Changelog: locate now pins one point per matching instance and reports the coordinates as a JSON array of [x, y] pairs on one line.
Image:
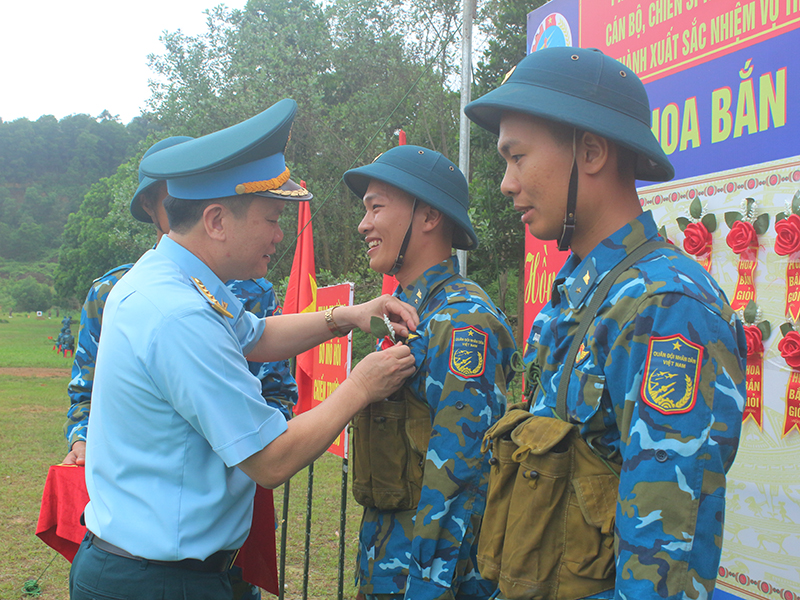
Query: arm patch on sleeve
[[468, 352], [671, 374]]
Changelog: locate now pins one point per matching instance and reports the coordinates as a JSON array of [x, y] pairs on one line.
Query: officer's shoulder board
[[671, 374], [468, 351], [220, 307]]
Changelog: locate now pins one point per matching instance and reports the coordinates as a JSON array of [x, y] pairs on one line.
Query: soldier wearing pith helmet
[[422, 482], [637, 373], [180, 432]]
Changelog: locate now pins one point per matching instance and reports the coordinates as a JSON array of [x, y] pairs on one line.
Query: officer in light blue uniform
[[180, 431], [278, 386]]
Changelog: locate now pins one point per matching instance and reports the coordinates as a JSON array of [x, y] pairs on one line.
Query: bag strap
[[597, 299]]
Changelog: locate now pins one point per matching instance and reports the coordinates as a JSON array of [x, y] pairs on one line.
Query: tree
[[30, 295]]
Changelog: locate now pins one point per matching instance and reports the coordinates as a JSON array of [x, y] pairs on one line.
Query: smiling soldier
[[419, 471]]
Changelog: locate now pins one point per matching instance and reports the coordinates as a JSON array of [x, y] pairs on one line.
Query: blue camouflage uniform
[[278, 386], [80, 387], [430, 552], [658, 387]]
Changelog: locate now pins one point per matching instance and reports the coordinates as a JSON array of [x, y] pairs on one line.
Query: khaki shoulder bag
[[548, 530]]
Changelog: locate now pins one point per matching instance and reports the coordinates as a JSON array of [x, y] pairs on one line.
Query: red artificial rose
[[697, 240], [788, 240], [790, 349], [386, 343], [755, 344], [742, 236]]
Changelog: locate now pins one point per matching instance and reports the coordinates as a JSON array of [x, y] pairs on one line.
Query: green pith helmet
[[428, 176], [585, 89], [145, 182]]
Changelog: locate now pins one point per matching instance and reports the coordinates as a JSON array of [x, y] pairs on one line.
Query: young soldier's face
[[537, 173], [388, 214]]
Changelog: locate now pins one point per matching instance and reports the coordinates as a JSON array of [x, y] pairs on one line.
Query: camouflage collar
[[416, 293], [576, 281]]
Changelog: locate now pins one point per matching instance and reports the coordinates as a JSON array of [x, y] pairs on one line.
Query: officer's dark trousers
[[98, 575]]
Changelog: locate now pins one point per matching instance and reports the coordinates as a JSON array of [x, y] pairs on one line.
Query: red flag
[[301, 296]]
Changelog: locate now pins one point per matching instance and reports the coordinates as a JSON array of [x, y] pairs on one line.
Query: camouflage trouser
[[241, 589], [607, 595], [384, 596]]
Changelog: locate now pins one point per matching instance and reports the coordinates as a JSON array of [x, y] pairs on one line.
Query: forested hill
[[46, 168]]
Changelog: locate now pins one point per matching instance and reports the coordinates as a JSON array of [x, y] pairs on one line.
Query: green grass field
[[33, 404]]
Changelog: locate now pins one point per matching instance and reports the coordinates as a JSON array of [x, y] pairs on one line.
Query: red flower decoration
[[386, 343], [755, 340], [742, 236], [697, 240], [790, 349], [788, 240]]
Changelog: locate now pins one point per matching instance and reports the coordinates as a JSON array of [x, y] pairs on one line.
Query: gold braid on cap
[[263, 186]]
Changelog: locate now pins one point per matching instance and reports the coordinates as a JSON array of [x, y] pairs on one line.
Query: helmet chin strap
[[572, 199], [398, 262]]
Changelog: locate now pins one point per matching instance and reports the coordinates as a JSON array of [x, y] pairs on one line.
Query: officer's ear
[[214, 222]]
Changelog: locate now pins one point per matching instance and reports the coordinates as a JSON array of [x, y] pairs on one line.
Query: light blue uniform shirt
[[174, 410]]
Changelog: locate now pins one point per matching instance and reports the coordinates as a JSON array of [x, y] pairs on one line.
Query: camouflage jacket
[[658, 387], [278, 386], [430, 552]]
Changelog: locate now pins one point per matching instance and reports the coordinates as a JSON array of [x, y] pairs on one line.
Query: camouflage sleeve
[[679, 420], [278, 386], [80, 386], [467, 360]]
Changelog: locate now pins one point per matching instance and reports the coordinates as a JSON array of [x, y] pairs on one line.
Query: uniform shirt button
[[459, 405], [661, 455]]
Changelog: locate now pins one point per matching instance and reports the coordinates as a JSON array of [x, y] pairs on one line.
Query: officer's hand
[[76, 456], [381, 373], [403, 316]]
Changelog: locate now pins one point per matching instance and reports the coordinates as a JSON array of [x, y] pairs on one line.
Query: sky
[[61, 58]]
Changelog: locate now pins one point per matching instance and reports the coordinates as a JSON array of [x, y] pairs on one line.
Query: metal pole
[[466, 81], [342, 527], [307, 554], [284, 531]]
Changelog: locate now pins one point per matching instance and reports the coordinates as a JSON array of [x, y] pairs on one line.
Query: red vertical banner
[[745, 284], [793, 286], [543, 261], [301, 296], [792, 417], [331, 360], [754, 408]]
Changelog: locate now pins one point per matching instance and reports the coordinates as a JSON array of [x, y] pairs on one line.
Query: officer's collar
[[195, 268]]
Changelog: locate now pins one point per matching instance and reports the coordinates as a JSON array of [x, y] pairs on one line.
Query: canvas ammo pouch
[[390, 439], [548, 531]]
